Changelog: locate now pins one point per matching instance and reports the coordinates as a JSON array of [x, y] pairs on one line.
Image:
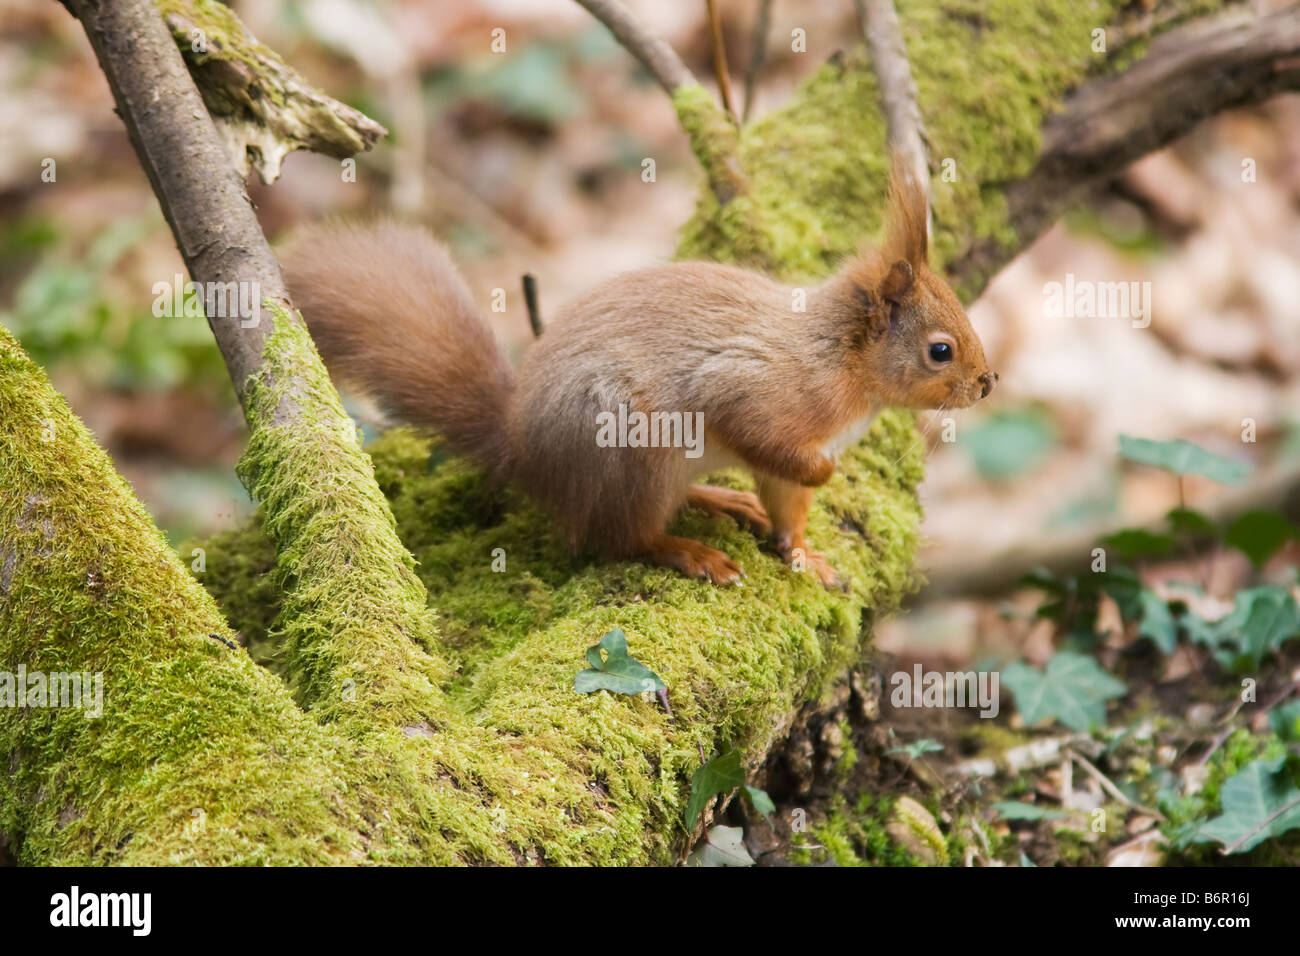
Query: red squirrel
[[781, 392]]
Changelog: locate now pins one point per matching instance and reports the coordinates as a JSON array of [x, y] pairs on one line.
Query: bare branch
[[188, 166], [655, 55], [757, 54]]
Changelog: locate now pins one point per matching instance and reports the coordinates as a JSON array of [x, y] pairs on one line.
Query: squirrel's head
[[919, 345]]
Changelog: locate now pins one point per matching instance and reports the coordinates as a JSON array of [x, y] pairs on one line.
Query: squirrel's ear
[[899, 280], [875, 308]]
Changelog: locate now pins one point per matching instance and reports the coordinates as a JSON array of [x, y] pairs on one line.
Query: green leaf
[[1125, 589], [1135, 543], [1043, 579], [1261, 621], [1158, 622], [1190, 522], [1285, 720], [1010, 442], [1183, 458], [1258, 803], [1015, 810], [1073, 689], [759, 800], [723, 846], [616, 671], [916, 748], [1259, 535], [722, 774]]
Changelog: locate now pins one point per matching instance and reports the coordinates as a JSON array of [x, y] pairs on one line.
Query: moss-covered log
[[470, 745]]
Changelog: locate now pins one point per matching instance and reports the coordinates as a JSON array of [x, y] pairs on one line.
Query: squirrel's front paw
[[796, 554]]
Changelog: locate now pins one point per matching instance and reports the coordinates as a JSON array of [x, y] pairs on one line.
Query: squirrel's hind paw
[[694, 560]]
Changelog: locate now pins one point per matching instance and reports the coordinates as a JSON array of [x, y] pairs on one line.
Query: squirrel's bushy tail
[[390, 312]]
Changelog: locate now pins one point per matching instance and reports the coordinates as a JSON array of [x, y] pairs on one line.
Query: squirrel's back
[[390, 312]]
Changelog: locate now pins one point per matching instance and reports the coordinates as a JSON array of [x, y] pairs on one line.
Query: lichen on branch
[[263, 108]]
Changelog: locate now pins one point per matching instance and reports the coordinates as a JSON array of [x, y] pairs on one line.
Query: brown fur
[[775, 386]]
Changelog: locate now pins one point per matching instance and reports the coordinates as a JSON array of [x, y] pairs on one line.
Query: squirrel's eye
[[941, 352]]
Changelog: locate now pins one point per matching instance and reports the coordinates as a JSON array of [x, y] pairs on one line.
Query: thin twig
[[655, 54], [720, 57], [757, 54], [1109, 787], [530, 300], [1220, 737]]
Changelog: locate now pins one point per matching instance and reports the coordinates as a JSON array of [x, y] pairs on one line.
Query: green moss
[[713, 137], [797, 226], [194, 737], [357, 637], [737, 661], [856, 835]]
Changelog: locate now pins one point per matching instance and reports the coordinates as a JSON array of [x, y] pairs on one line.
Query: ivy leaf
[[1259, 535], [1285, 720], [1190, 522], [759, 800], [1125, 589], [1183, 457], [916, 748], [1015, 810], [1158, 622], [1136, 542], [1073, 689], [1261, 621], [723, 846], [722, 774], [1258, 803], [617, 671], [1008, 443], [1043, 579]]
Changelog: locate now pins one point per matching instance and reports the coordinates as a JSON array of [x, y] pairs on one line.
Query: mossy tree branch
[[1194, 70], [287, 399], [263, 108]]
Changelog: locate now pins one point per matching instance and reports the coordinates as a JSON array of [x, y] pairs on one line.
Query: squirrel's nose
[[987, 380]]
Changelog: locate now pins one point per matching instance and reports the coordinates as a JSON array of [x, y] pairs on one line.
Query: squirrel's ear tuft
[[906, 216]]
